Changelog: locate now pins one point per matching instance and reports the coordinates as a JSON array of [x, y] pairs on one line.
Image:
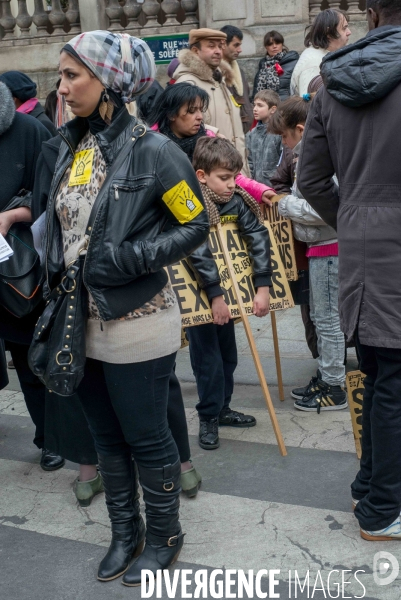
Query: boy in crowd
[[212, 346], [264, 148]]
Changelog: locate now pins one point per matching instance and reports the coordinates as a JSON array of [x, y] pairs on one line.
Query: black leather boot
[[164, 539], [120, 483]]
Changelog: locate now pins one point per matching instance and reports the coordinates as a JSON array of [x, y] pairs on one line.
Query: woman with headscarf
[[151, 214]]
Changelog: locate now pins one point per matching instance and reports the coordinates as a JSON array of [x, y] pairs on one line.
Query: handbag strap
[[137, 132]]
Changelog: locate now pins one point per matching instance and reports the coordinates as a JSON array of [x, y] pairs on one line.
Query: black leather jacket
[[135, 234], [257, 240]]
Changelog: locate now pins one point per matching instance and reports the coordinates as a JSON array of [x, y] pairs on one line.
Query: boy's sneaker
[[209, 433], [233, 418], [328, 397], [392, 532], [308, 390]]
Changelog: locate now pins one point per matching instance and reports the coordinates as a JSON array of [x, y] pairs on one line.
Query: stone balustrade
[[356, 9], [56, 20]]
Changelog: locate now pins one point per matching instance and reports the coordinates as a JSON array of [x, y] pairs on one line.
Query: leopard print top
[[73, 207]]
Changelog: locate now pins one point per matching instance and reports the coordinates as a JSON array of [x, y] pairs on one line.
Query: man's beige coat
[[223, 113]]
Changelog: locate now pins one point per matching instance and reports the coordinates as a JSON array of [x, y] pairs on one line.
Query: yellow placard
[[355, 389], [282, 230], [194, 305], [182, 202], [81, 169]]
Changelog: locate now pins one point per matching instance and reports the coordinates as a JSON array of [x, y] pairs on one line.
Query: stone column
[[93, 14]]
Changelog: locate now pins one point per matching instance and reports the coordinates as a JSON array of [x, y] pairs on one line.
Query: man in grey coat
[[353, 130]]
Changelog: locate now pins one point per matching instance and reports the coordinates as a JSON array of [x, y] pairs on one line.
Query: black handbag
[[21, 276], [57, 354]]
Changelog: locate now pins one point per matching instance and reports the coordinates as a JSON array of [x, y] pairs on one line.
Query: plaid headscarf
[[211, 199], [123, 63]]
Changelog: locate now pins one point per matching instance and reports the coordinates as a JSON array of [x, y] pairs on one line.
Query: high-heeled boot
[[164, 538], [120, 483]]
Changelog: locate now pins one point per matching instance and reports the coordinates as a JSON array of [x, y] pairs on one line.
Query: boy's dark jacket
[[256, 237], [134, 234]]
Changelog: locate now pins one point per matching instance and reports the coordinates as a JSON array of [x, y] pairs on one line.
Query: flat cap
[[196, 35]]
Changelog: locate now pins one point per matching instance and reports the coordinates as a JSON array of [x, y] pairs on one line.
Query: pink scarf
[[28, 106]]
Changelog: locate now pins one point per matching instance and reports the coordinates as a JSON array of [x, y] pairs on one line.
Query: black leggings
[[126, 408]]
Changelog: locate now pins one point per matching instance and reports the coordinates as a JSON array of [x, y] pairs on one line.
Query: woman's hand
[[220, 311], [16, 215], [261, 302]]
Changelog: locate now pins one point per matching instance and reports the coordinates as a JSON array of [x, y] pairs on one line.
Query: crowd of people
[[119, 197]]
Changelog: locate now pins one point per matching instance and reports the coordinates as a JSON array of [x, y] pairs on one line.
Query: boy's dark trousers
[[213, 353]]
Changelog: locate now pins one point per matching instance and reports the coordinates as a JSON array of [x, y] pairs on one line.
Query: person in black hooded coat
[[21, 138], [353, 130]]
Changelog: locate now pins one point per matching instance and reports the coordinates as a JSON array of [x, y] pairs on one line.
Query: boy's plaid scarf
[[211, 199]]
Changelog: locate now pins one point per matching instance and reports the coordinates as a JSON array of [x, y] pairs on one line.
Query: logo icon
[[385, 568]]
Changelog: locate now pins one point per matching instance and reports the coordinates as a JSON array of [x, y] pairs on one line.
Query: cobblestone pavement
[[256, 510]]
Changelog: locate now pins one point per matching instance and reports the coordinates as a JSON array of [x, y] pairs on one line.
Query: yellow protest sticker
[[81, 169], [233, 100], [182, 202], [228, 219]]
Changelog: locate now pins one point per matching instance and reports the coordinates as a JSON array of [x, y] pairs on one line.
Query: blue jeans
[[323, 275]]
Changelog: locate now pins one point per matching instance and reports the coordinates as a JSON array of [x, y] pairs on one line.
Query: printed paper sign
[[282, 230], [355, 390], [194, 305]]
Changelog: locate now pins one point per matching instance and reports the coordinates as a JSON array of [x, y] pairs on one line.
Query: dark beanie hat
[[20, 85]]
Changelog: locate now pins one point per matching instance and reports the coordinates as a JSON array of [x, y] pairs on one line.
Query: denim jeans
[[323, 274], [378, 483], [213, 353], [126, 409]]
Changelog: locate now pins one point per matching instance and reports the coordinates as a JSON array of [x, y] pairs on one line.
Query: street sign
[[166, 47]]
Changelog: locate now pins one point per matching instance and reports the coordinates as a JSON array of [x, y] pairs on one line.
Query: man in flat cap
[[202, 65]]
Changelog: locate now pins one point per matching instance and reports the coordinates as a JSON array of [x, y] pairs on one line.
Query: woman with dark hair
[[328, 32], [133, 328], [275, 69], [179, 115]]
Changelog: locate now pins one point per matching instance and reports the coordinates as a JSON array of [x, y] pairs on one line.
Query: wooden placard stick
[[252, 345], [277, 357]]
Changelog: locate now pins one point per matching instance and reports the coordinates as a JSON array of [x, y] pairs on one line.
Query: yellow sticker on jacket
[[228, 218], [182, 202], [81, 169], [235, 102]]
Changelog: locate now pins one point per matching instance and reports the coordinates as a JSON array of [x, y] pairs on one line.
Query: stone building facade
[[32, 32]]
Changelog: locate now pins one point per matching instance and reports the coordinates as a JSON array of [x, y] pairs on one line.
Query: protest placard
[[355, 389], [194, 305], [282, 230]]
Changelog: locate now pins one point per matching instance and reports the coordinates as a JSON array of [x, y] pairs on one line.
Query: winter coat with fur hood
[[21, 138], [223, 112]]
